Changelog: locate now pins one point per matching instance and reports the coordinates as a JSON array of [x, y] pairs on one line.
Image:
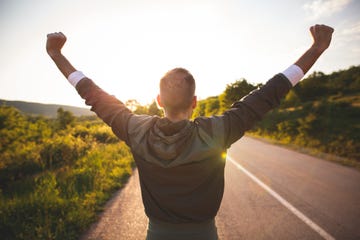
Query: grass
[[309, 151]]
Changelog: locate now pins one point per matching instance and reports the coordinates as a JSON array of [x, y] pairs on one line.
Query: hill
[[321, 113], [47, 110]]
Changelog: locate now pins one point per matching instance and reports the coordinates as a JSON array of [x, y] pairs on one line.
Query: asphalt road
[[270, 193]]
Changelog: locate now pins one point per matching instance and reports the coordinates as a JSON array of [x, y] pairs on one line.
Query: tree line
[[322, 112]]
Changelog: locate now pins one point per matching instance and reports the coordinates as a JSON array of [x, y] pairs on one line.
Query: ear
[[194, 102], [158, 100]]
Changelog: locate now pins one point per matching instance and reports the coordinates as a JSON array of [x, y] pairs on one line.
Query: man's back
[[181, 164], [181, 169]]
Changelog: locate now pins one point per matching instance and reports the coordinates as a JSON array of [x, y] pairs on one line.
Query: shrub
[[62, 150]]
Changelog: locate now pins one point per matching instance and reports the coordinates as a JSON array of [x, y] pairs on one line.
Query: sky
[[126, 46]]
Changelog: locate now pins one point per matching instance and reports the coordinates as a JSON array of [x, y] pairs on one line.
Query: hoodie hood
[[168, 139], [168, 144]]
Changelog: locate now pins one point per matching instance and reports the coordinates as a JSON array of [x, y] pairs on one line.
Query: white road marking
[[290, 207]]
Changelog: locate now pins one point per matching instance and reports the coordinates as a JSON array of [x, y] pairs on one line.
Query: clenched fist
[[55, 41], [322, 36]]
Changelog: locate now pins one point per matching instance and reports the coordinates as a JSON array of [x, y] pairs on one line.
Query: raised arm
[[54, 44], [245, 113], [112, 111], [322, 37]]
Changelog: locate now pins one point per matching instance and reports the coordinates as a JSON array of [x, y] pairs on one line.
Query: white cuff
[[75, 77], [294, 73]]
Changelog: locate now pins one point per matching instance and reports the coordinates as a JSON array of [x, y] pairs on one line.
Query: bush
[[330, 127], [62, 150]]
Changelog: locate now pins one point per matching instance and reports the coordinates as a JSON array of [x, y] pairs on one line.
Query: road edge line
[[285, 203]]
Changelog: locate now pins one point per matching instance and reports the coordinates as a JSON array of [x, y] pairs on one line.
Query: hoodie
[[181, 164]]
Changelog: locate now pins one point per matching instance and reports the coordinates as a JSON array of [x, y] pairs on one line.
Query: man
[[180, 162]]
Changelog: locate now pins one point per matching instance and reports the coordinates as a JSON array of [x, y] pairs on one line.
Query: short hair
[[177, 90]]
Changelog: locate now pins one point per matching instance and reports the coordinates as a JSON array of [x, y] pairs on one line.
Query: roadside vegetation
[[320, 115], [55, 174]]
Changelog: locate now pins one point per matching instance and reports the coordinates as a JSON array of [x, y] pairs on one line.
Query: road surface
[[270, 193]]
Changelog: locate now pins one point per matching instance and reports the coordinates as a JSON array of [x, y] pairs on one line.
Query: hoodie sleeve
[[111, 110], [243, 114]]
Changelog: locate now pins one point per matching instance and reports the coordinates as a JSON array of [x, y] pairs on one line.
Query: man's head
[[177, 92]]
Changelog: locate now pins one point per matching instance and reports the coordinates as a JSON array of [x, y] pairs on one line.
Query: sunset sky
[[126, 46]]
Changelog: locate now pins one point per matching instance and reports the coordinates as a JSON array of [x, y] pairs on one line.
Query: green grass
[[62, 203], [306, 150]]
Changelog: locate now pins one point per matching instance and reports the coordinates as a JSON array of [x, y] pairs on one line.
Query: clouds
[[325, 8], [343, 16], [349, 36], [352, 30]]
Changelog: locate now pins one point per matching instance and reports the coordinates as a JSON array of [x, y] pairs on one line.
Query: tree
[[312, 87], [200, 109], [235, 92], [154, 110], [64, 119], [291, 100], [212, 106]]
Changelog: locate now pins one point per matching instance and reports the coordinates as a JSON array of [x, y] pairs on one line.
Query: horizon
[[84, 106], [126, 46]]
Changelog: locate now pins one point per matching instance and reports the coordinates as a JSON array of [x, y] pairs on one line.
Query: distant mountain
[[48, 110]]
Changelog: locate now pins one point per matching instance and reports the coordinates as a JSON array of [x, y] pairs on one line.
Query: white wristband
[[294, 73], [75, 77]]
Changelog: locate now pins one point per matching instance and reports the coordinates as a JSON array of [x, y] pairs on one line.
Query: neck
[[179, 116]]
